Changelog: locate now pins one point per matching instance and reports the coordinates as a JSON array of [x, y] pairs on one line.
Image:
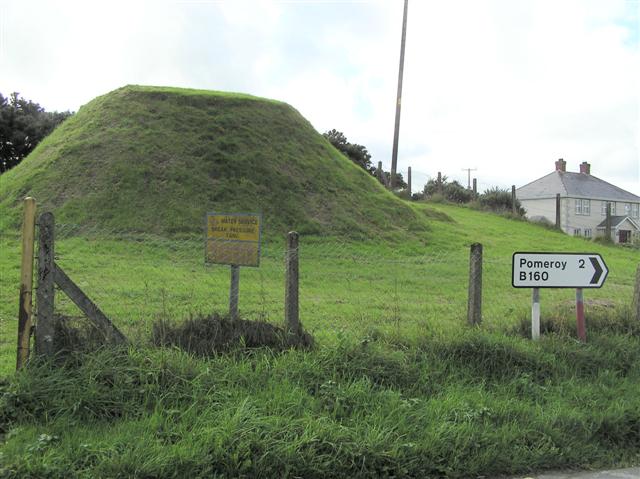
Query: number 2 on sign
[[581, 263]]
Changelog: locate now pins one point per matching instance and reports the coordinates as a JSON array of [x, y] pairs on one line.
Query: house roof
[[579, 185], [617, 221]]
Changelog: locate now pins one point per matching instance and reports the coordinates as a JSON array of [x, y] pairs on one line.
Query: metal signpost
[[233, 239], [558, 270]]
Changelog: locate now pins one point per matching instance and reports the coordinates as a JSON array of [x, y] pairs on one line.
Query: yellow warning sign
[[233, 239], [233, 227]]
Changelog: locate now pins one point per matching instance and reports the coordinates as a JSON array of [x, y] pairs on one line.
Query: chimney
[[585, 168], [561, 165]]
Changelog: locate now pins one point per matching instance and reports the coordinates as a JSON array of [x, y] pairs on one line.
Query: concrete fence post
[[475, 188], [636, 296], [558, 210], [409, 182], [45, 293], [607, 227], [514, 208], [291, 306], [474, 304]]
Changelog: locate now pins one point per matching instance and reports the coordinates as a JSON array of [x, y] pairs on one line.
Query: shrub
[[499, 200]]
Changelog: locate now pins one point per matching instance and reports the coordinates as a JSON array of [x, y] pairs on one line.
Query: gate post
[[45, 292]]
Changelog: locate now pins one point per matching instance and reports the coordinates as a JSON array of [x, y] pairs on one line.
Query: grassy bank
[[468, 405], [398, 385]]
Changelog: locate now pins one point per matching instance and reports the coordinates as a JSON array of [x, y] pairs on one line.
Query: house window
[[604, 208], [587, 232], [627, 209], [583, 207], [635, 210], [577, 232]]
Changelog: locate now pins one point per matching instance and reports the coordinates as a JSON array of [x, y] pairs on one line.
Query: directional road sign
[[558, 270]]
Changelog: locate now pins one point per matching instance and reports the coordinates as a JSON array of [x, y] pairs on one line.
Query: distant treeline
[[493, 199], [23, 124]]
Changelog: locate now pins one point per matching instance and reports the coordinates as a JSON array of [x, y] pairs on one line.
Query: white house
[[583, 203]]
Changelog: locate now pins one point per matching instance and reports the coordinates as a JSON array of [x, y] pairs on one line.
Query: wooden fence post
[[636, 296], [474, 304], [558, 210], [26, 282], [234, 291], [45, 292], [291, 306]]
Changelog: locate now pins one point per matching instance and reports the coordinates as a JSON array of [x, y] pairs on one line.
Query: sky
[[505, 87]]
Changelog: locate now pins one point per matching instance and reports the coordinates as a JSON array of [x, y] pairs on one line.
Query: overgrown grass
[[470, 404]]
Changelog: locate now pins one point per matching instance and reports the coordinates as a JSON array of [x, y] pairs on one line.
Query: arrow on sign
[[598, 268]]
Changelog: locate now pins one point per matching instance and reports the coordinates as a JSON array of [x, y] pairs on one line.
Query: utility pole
[[469, 170], [396, 133]]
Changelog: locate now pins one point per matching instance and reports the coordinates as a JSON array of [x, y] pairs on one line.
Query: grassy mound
[[157, 159]]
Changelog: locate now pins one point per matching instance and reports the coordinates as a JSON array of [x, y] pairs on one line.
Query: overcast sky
[[504, 86]]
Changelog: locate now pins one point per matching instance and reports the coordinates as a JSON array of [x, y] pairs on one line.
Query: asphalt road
[[631, 473]]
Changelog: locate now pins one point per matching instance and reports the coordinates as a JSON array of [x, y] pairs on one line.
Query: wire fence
[[345, 288]]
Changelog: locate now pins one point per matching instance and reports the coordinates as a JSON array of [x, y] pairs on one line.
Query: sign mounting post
[[233, 239], [558, 270]]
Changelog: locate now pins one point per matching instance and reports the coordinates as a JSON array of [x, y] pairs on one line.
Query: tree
[[361, 157], [400, 183], [356, 153], [23, 124], [434, 186]]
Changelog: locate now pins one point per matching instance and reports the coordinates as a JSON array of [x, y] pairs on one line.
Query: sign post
[[535, 314], [233, 239], [581, 326], [558, 270]]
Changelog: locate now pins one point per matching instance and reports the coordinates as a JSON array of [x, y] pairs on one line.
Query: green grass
[[398, 386], [155, 160]]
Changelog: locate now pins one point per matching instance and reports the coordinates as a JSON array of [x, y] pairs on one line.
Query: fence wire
[[346, 288]]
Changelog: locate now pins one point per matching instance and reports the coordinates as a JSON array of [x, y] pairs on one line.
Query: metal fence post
[[474, 305], [535, 314], [291, 306], [45, 292]]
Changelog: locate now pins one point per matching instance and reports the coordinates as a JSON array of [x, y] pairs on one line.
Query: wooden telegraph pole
[[396, 132]]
